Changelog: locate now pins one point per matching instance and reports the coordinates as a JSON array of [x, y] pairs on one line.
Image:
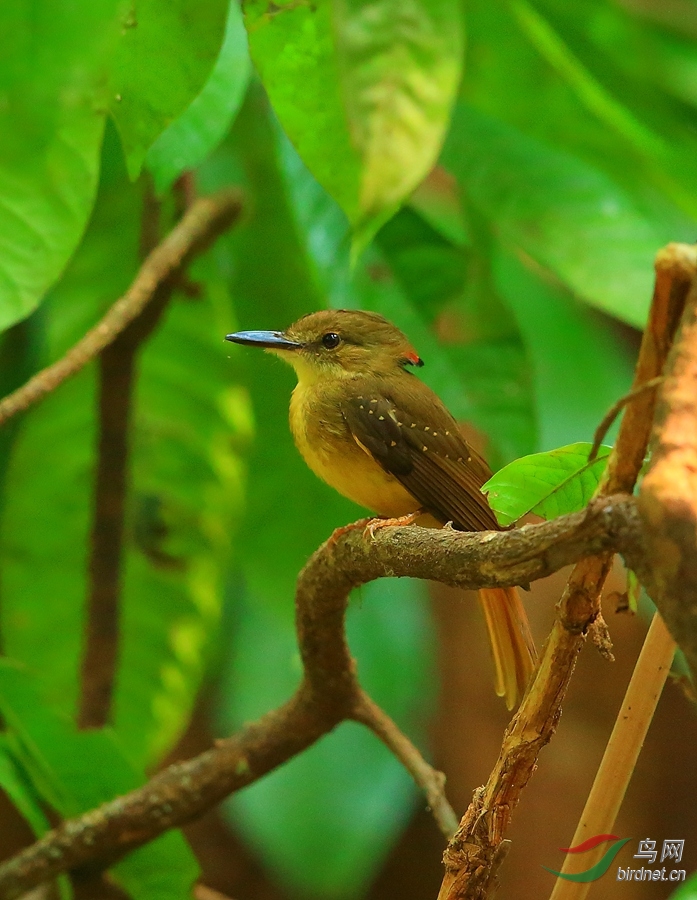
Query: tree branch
[[668, 497], [329, 691], [474, 853], [208, 218]]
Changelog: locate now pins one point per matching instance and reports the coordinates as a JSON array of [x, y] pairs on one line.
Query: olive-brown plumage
[[377, 434]]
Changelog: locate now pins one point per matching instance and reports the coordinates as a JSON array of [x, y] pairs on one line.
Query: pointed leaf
[[400, 64], [166, 53], [19, 789], [190, 138], [293, 48], [52, 73], [569, 217], [548, 484]]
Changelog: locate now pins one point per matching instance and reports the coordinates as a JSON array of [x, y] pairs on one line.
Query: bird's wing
[[432, 460]]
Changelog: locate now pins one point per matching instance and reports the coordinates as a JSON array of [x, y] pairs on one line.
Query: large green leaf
[[77, 771], [363, 90], [185, 490], [588, 52], [400, 64], [166, 53], [324, 821], [52, 73], [190, 138], [574, 352], [569, 217], [548, 484], [292, 46]]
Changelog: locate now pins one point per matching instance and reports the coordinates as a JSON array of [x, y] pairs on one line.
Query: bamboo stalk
[[621, 754]]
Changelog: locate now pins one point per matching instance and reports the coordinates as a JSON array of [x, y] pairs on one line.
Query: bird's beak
[[273, 340]]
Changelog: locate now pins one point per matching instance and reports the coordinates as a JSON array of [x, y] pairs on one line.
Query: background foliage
[[495, 179]]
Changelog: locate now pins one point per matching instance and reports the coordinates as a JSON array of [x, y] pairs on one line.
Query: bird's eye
[[331, 340]]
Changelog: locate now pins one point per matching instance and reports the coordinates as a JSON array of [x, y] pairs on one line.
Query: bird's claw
[[373, 525]]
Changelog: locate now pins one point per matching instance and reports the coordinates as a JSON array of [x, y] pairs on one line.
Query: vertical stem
[[621, 754], [117, 375]]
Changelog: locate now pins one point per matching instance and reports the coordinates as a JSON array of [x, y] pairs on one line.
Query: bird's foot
[[372, 525], [345, 529]]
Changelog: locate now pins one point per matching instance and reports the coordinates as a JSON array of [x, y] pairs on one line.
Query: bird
[[373, 431]]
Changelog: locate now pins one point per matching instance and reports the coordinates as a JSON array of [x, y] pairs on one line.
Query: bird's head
[[336, 343]]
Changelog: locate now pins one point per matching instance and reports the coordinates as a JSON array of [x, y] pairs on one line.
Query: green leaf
[[185, 491], [400, 63], [588, 52], [548, 484], [573, 350], [570, 218], [292, 47], [190, 138], [52, 72], [686, 891], [77, 771], [165, 55], [14, 782], [324, 821], [591, 92]]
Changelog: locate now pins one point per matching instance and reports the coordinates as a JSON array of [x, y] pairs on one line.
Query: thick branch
[[668, 498], [208, 218], [330, 691], [474, 853]]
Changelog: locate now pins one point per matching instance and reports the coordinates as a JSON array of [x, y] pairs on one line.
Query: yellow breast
[[329, 449]]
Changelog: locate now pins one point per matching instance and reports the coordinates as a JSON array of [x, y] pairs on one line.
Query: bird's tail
[[512, 645]]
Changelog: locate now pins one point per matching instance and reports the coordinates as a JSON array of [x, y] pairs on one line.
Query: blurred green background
[[496, 179]]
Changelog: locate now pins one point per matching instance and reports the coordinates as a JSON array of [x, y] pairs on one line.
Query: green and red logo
[[601, 867]]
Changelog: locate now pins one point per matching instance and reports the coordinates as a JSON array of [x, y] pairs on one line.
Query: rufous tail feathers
[[512, 645]]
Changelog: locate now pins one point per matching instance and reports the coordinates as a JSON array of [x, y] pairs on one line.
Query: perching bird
[[377, 434]]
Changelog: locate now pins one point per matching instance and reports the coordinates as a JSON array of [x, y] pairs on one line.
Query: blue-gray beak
[[275, 340]]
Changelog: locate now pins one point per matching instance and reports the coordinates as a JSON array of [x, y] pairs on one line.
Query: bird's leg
[[372, 525], [345, 529]]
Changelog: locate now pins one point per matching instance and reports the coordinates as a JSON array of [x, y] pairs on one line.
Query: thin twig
[[431, 782], [472, 855], [615, 410], [621, 754], [329, 690], [208, 218]]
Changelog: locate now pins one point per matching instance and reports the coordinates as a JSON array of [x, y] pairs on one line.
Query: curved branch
[[329, 692], [207, 218]]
